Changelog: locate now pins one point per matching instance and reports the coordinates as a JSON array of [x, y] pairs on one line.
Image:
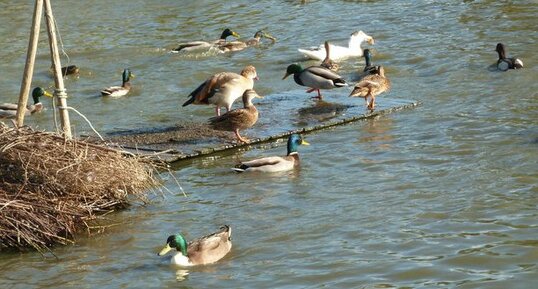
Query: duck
[[275, 163], [223, 88], [315, 77], [327, 62], [368, 67], [205, 250], [240, 45], [504, 63], [9, 110], [238, 119], [67, 70], [371, 86], [340, 52], [117, 91], [197, 45]]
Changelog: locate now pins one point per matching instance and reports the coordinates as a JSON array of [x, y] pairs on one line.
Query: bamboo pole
[[59, 92], [30, 61]]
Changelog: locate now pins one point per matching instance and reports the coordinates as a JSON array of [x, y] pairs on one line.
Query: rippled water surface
[[441, 196]]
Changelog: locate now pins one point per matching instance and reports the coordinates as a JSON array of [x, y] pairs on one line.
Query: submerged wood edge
[[164, 156]]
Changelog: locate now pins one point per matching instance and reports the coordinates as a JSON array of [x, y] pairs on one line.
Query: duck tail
[[194, 93], [191, 100], [518, 63], [240, 168], [340, 82]]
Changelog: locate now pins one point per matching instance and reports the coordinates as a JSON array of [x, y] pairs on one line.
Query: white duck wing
[[317, 53]]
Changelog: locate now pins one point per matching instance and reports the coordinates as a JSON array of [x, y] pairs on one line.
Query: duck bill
[[286, 75], [257, 78], [165, 250], [270, 37], [48, 94], [234, 34], [371, 41], [303, 142]]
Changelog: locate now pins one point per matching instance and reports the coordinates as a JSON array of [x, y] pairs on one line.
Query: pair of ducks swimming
[[213, 247], [222, 44]]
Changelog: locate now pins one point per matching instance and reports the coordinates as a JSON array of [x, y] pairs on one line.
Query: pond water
[[441, 196]]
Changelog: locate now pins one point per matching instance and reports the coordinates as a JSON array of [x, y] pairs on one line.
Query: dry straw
[[50, 188]]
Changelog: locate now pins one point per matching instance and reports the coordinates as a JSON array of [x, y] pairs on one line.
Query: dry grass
[[50, 188]]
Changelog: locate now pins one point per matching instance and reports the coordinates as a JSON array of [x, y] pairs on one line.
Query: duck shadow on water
[[321, 111]]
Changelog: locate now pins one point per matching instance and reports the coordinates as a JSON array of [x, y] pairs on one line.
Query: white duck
[[340, 52]]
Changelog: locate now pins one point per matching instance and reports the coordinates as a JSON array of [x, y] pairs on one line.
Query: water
[[442, 196]]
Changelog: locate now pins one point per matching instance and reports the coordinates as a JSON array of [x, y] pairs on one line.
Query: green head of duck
[[175, 242], [294, 141], [292, 69], [39, 92], [127, 75], [228, 32]]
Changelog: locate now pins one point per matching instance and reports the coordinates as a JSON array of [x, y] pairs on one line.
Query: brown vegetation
[[50, 187]]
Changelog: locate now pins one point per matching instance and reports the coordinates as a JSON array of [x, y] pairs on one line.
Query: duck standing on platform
[[276, 163], [371, 86], [240, 45], [504, 63], [198, 45], [9, 110], [238, 119], [117, 91], [205, 250], [315, 77], [223, 88], [340, 52]]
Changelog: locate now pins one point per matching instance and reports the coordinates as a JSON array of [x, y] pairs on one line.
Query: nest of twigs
[[50, 188]]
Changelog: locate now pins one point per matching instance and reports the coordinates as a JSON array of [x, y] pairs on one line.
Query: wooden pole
[[30, 60], [59, 92]]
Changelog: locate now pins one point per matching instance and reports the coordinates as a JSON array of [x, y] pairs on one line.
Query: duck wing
[[209, 87], [210, 248], [241, 118], [267, 164], [8, 106]]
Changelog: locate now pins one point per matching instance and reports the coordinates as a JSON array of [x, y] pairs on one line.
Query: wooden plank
[[280, 115]]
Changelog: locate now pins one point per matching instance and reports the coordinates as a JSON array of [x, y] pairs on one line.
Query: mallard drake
[[504, 63], [340, 52], [238, 119], [9, 110], [327, 62], [371, 86], [196, 45], [240, 45], [223, 88], [276, 163], [368, 67], [117, 91], [205, 250], [315, 77]]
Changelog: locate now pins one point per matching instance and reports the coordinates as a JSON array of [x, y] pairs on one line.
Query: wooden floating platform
[[280, 115]]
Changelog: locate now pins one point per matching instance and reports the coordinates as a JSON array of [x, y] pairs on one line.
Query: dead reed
[[50, 188]]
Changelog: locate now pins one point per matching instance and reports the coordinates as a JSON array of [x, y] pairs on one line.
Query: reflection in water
[[181, 274], [321, 111], [377, 131]]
